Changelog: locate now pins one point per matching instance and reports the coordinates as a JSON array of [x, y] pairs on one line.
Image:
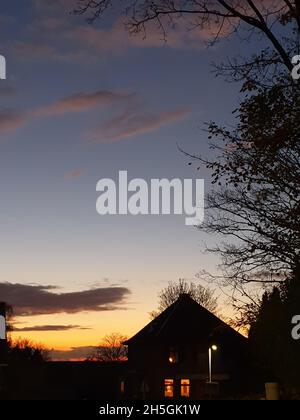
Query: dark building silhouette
[[169, 357]]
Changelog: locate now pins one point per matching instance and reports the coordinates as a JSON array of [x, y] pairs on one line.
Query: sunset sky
[[82, 102]]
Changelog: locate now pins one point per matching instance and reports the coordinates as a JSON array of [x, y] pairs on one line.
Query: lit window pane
[[185, 388], [169, 388]]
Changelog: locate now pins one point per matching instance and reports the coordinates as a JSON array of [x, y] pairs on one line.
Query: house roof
[[184, 320]]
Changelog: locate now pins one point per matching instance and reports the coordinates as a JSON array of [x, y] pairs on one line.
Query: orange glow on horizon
[[87, 329]]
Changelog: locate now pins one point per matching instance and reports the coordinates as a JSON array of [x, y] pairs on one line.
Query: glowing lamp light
[[214, 348]]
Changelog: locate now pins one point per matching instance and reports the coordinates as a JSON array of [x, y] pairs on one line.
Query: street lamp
[[214, 348]]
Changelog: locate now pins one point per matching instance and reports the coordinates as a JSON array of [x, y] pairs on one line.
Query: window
[[122, 387], [169, 388], [173, 355], [185, 388]]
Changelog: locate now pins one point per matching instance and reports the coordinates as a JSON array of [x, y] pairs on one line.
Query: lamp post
[[214, 348]]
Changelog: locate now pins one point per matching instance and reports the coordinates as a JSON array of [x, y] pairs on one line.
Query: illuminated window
[[169, 388], [122, 387], [173, 355], [185, 388]]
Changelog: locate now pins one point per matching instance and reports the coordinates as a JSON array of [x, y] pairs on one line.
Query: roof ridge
[[158, 327], [174, 304]]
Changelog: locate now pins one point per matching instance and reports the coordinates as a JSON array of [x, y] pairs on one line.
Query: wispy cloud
[[77, 173], [11, 120], [132, 123], [83, 101], [41, 328], [69, 38], [29, 300], [117, 39], [134, 120], [63, 41]]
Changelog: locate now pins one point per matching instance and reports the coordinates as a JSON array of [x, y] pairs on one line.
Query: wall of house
[[151, 367]]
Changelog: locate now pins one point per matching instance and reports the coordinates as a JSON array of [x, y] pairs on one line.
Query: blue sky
[[53, 154]]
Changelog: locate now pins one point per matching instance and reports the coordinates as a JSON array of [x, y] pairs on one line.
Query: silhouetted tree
[[272, 345], [202, 295], [26, 351], [111, 349], [22, 350], [256, 198], [266, 333], [290, 292]]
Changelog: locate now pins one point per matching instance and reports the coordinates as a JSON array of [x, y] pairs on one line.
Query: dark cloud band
[[41, 328], [29, 300]]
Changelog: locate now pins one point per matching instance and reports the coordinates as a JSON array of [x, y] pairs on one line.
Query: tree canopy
[[111, 349], [256, 198], [271, 341], [168, 295]]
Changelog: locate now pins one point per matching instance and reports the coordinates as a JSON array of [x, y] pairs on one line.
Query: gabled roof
[[184, 320]]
